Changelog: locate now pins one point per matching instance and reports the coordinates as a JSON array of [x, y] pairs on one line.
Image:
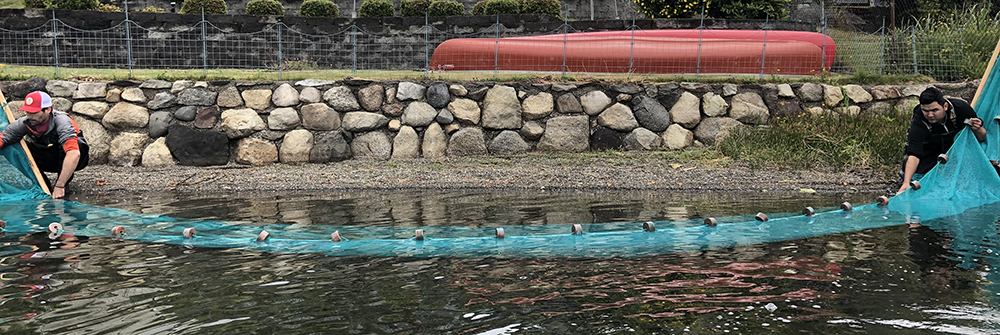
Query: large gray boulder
[[714, 129], [406, 144], [283, 119], [285, 96], [319, 116], [296, 146], [566, 134], [435, 143], [158, 154], [257, 99], [341, 99], [749, 108], [126, 149], [196, 97], [126, 116], [618, 117], [330, 146], [650, 113], [686, 111], [467, 142], [642, 139], [364, 121], [594, 102], [372, 146], [371, 98], [538, 106], [418, 114], [465, 110], [501, 109], [255, 151], [239, 123], [508, 142], [438, 95]]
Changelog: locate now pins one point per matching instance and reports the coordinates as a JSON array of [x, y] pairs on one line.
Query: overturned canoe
[[647, 52]]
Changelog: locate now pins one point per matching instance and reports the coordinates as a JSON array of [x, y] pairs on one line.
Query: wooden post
[[986, 75], [34, 168]]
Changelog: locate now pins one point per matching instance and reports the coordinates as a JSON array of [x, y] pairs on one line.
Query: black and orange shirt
[[60, 130]]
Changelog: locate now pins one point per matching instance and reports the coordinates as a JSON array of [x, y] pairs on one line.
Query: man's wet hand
[[975, 123]]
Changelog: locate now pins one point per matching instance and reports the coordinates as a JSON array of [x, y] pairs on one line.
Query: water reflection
[[890, 280]]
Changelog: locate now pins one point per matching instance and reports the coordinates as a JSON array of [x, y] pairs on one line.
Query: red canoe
[[798, 53]]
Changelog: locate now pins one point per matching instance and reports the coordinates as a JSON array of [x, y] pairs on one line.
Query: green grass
[[16, 72], [11, 4], [830, 141]]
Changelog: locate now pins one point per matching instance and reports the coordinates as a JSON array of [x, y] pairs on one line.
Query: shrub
[[151, 9], [211, 7], [502, 7], [414, 7], [752, 9], [479, 8], [72, 4], [108, 8], [376, 8], [445, 8], [550, 7], [34, 3], [671, 8], [265, 7], [319, 8]]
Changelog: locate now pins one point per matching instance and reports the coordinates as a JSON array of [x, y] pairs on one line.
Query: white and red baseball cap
[[36, 101]]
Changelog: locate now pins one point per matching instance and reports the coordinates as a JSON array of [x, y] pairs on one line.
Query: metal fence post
[[701, 30], [204, 44], [55, 42], [822, 64], [354, 51], [763, 53], [280, 60], [128, 39], [881, 55], [496, 51], [631, 49], [565, 34], [427, 46], [913, 45]]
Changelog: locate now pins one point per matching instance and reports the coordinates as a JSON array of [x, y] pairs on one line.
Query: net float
[[118, 231], [808, 211], [262, 236], [915, 185], [942, 159], [188, 233], [649, 226], [846, 206], [883, 200], [418, 235], [3, 225], [336, 236], [711, 222], [577, 229], [500, 233], [761, 217], [55, 227]]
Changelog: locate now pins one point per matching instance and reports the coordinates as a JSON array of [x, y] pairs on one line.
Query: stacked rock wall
[[159, 123]]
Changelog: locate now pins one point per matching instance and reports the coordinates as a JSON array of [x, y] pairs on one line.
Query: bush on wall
[[550, 7], [479, 8], [109, 8], [319, 8], [34, 3], [265, 7], [211, 7], [151, 9], [71, 4], [414, 7], [376, 8], [502, 7], [445, 8]]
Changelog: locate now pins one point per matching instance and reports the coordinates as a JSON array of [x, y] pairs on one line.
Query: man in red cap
[[58, 145]]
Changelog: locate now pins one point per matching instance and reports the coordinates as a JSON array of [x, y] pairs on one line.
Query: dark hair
[[932, 94]]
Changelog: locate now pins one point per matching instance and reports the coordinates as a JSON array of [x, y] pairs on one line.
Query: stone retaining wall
[[160, 123]]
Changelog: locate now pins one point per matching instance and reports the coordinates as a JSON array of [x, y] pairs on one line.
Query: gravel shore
[[580, 172]]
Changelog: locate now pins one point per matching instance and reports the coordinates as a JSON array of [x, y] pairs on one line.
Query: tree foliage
[[319, 8], [376, 8], [211, 7], [265, 7], [445, 8], [723, 9], [414, 7]]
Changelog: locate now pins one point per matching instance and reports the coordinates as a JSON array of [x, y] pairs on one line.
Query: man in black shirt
[[933, 127]]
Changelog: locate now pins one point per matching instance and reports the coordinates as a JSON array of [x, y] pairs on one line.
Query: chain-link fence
[[851, 48]]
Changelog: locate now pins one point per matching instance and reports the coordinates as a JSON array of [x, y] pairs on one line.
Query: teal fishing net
[[17, 180]]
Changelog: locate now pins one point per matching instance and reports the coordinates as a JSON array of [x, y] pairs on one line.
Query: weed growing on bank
[[833, 141]]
